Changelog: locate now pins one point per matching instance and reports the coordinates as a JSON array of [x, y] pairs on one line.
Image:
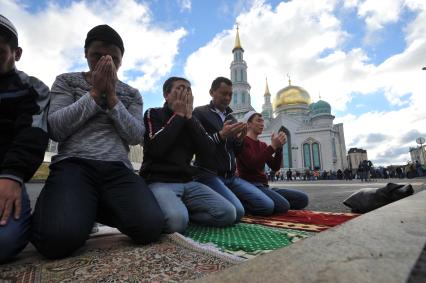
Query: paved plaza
[[323, 195], [329, 195]]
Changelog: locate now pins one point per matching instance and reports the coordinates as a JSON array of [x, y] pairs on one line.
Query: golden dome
[[292, 95]]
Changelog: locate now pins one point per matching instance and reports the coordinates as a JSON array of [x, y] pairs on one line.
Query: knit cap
[[104, 33]]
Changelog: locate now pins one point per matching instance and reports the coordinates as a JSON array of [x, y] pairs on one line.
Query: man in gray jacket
[[94, 117]]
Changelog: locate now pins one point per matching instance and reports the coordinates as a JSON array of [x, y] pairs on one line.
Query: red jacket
[[251, 160]]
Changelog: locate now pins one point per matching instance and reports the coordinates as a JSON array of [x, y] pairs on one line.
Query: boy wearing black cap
[[94, 117], [23, 141]]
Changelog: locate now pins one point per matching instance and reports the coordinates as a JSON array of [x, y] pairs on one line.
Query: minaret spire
[[237, 44], [267, 93], [289, 80], [241, 100], [267, 105]]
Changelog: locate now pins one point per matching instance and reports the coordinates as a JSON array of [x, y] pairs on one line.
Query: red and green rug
[[258, 235], [305, 220]]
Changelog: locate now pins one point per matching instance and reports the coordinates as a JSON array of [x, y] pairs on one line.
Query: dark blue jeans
[[285, 199], [242, 194], [79, 192], [14, 236]]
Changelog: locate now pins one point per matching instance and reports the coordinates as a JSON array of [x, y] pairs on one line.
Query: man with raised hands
[[94, 117], [218, 168], [173, 136], [251, 161]]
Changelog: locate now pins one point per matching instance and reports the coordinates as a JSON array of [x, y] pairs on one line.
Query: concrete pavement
[[323, 195], [329, 195]]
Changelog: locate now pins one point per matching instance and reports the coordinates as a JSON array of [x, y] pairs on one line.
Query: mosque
[[313, 141]]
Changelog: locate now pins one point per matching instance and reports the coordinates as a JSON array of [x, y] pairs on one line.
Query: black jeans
[[79, 192]]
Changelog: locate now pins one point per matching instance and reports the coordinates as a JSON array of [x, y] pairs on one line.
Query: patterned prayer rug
[[306, 220], [245, 240], [114, 258]]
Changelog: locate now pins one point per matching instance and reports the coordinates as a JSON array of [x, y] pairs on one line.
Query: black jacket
[[170, 144], [23, 125], [222, 162]]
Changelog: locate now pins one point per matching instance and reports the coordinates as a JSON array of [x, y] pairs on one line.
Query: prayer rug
[[114, 258], [306, 220], [245, 240]]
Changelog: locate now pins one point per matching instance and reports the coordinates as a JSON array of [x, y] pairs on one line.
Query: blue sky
[[363, 56]]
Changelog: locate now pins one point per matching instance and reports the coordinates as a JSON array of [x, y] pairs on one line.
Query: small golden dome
[[292, 95]]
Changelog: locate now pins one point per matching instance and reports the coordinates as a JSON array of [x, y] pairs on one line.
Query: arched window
[[287, 154], [316, 156], [235, 76], [333, 146], [286, 159], [307, 155], [242, 75], [243, 98], [235, 98]]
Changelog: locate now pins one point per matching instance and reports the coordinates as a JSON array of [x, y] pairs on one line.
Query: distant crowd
[[365, 171]]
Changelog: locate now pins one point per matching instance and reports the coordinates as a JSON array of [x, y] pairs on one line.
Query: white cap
[[248, 115], [8, 26]]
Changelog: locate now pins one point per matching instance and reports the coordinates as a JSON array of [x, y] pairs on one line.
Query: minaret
[[267, 106], [241, 101]]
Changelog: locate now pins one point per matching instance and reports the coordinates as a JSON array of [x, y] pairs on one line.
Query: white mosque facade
[[313, 140]]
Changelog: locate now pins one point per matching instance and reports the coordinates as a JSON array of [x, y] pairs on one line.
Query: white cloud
[[394, 125], [350, 3], [53, 39], [305, 39], [184, 5], [376, 15], [379, 13]]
